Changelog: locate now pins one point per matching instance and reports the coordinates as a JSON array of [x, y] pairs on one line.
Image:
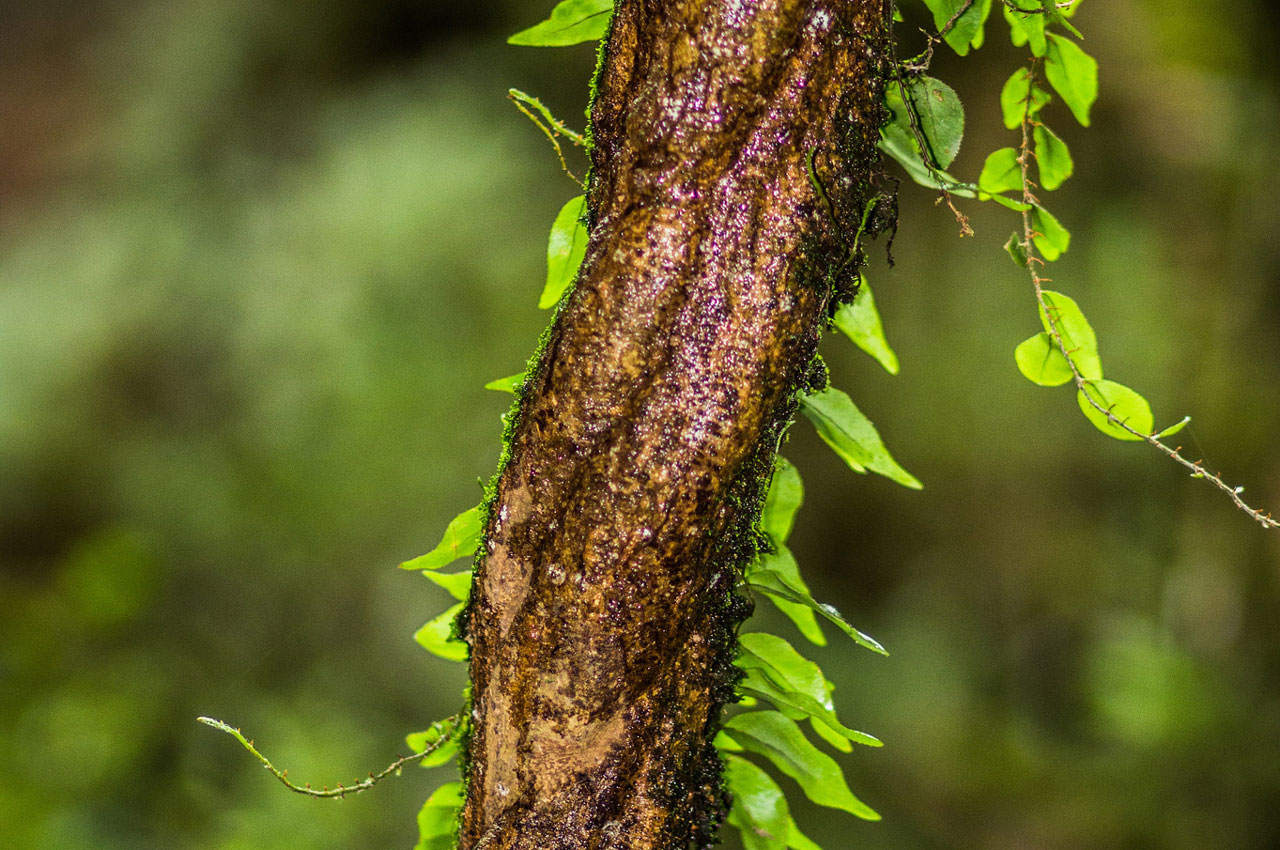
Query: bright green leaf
[[565, 250], [1001, 172], [967, 31], [783, 564], [852, 436], [759, 809], [786, 587], [461, 539], [457, 584], [776, 672], [507, 384], [438, 819], [1073, 75], [860, 321], [1122, 403], [778, 739], [786, 494], [437, 638], [1052, 239], [571, 22], [1004, 201], [1041, 362], [1053, 160], [1024, 28], [941, 117], [1013, 98], [443, 753], [1174, 428], [1075, 332]]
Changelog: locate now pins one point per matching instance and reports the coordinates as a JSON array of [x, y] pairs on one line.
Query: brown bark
[[603, 615]]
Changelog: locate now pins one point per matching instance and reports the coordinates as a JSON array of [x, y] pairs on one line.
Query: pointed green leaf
[[941, 117], [1122, 403], [442, 754], [1004, 201], [1013, 98], [783, 563], [507, 384], [1040, 362], [1074, 330], [461, 539], [778, 584], [1053, 159], [438, 819], [967, 31], [1024, 28], [1013, 247], [1073, 75], [778, 739], [860, 321], [1001, 172], [786, 494], [1052, 239], [776, 672], [565, 249], [852, 436], [457, 584], [437, 638], [1174, 428], [571, 22]]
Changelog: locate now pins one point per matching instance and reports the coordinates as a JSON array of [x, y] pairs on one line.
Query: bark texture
[[603, 614]]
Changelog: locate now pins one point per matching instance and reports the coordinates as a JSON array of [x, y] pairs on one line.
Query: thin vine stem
[[1034, 263], [450, 726]]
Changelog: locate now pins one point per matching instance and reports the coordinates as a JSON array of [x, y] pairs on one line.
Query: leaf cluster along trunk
[[732, 140]]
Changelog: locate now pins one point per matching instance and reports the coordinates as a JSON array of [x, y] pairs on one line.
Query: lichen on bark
[[603, 613]]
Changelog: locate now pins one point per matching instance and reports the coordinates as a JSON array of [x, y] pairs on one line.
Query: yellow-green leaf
[[565, 249], [571, 22], [1120, 402], [1073, 75], [1053, 159], [860, 321], [852, 436], [461, 539], [1040, 361], [1001, 172]]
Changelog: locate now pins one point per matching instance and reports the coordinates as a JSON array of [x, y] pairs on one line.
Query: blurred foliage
[[256, 262]]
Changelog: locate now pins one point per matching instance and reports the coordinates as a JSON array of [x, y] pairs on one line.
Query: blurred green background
[[257, 260]]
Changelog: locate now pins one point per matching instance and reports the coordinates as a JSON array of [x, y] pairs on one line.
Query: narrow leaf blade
[[571, 22], [852, 436], [461, 539]]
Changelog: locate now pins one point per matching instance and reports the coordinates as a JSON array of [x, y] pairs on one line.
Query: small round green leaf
[[1014, 95], [1040, 361], [1075, 332], [1121, 403], [1053, 160], [1001, 172], [1052, 239]]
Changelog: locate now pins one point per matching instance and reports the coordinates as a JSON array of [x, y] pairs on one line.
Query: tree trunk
[[733, 145]]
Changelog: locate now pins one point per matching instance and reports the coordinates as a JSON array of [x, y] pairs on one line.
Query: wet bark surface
[[603, 614]]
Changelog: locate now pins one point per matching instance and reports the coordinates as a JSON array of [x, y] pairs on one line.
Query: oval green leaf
[[967, 31], [1052, 239], [1053, 159], [941, 117], [438, 818], [437, 638], [1013, 98], [1121, 403], [566, 247], [1001, 172], [1073, 75], [1040, 362], [1075, 332]]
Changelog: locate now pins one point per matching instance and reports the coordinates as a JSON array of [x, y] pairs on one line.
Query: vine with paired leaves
[[923, 134]]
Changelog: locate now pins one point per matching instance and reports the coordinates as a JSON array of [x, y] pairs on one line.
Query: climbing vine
[[923, 134]]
